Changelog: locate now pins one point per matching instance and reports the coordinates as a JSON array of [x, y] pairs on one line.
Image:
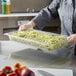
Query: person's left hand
[[72, 38]]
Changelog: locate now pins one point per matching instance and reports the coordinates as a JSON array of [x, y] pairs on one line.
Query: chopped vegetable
[[17, 65], [22, 68], [42, 40]]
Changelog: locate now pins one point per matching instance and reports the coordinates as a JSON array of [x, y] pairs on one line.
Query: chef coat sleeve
[[47, 15]]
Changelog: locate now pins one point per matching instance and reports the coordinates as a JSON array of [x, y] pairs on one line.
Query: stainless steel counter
[[32, 58]]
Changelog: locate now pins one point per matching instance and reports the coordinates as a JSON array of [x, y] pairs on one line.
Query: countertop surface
[[12, 52]]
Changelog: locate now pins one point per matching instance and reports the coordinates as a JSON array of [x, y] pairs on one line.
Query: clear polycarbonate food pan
[[32, 37]]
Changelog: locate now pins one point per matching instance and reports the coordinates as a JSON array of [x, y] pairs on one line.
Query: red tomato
[[17, 71], [12, 74], [7, 68], [2, 73]]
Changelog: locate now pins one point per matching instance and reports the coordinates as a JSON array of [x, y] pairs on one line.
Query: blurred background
[[9, 23]]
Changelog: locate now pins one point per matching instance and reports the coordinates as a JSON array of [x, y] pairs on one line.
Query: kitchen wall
[[22, 5]]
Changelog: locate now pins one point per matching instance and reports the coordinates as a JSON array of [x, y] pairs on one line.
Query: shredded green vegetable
[[43, 38]]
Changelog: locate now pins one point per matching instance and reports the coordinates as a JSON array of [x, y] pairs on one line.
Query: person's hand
[[26, 26], [72, 38]]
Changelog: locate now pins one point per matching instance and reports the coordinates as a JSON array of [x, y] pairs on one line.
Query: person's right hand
[[26, 26]]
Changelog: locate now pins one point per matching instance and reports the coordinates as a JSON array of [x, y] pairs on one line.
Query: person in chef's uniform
[[66, 10]]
